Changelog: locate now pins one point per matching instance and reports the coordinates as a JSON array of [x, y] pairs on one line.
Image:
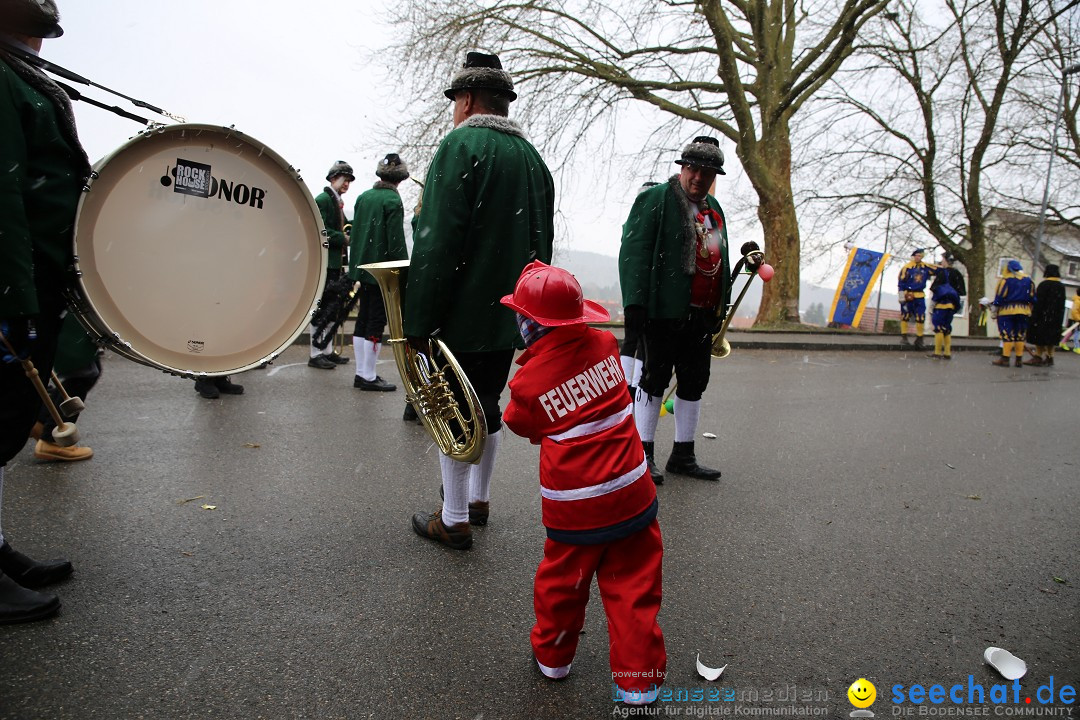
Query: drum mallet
[[65, 434], [69, 406]]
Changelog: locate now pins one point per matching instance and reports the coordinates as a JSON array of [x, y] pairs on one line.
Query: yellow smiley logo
[[862, 693]]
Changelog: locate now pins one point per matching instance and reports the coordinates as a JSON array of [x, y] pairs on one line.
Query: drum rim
[[107, 334]]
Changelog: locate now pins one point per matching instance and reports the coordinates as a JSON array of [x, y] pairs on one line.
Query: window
[[1073, 268]]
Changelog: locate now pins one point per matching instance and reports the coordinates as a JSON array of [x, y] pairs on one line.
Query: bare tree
[[933, 119], [743, 68]]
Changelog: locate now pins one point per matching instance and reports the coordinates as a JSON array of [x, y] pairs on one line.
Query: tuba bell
[[459, 432]]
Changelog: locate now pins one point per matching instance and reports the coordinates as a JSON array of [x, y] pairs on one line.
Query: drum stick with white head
[[65, 434]]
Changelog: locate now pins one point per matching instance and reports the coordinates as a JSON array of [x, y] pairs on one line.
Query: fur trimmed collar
[[41, 82], [495, 122], [383, 185], [686, 220]]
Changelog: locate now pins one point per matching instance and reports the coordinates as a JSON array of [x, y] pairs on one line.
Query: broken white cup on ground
[[707, 672], [1010, 666]]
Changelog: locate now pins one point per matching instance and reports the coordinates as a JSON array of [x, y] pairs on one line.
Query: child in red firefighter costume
[[599, 503]]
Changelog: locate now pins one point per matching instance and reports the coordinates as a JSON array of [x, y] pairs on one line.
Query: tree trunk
[[976, 267], [770, 173]]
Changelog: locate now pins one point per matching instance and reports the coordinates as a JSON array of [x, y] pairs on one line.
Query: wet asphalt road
[[881, 516]]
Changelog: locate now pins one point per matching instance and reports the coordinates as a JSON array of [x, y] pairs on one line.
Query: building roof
[[1063, 238]]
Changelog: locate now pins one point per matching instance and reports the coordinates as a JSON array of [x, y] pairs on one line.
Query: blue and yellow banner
[[861, 274]]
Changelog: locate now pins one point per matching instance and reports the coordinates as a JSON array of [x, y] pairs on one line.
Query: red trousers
[[628, 572]]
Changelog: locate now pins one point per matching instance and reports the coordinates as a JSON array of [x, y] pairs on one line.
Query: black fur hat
[[1052, 271], [36, 18], [704, 152], [482, 72], [392, 169]]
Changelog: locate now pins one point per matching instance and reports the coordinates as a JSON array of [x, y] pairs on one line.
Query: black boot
[[654, 471], [223, 384], [410, 414], [31, 573], [18, 604], [683, 462], [207, 389], [918, 343]]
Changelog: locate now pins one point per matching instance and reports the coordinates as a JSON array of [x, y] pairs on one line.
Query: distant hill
[[599, 278]]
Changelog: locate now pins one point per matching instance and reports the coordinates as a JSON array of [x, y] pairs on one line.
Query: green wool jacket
[[657, 255], [489, 208], [333, 220], [42, 172], [378, 230]]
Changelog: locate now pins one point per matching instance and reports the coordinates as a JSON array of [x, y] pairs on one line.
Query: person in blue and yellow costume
[[1012, 301], [912, 290], [946, 290]]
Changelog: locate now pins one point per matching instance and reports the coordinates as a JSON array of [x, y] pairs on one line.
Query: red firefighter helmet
[[552, 297]]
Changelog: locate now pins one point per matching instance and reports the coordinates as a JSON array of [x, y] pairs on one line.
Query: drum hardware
[[64, 434], [426, 383]]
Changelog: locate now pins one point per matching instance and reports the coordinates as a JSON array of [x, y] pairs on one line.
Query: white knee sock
[[686, 419], [627, 362], [372, 359], [1, 505], [647, 414], [636, 376], [358, 345], [480, 473], [455, 483]]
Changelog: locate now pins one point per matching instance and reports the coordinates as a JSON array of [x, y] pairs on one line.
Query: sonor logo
[[195, 346], [192, 178]]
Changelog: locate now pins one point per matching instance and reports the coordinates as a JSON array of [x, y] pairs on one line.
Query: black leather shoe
[[654, 470], [31, 573], [223, 384], [19, 605], [207, 389], [683, 462], [378, 384], [410, 414], [918, 345], [338, 358], [321, 362]]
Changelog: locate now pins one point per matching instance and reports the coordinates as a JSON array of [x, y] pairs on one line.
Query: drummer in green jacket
[[674, 273], [489, 208], [378, 235], [42, 171]]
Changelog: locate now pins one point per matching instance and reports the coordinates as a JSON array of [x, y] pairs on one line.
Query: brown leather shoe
[[458, 537], [48, 451], [1002, 361], [35, 432]]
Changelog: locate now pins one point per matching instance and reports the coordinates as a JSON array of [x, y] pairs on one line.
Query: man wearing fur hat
[[378, 235], [489, 209], [44, 169], [331, 207], [674, 273]]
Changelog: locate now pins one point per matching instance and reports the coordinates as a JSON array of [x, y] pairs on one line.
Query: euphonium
[[753, 259], [460, 436]]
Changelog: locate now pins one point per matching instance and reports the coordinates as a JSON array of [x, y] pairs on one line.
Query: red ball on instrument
[[765, 272]]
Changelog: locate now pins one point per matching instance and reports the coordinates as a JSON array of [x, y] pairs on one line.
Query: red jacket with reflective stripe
[[570, 397]]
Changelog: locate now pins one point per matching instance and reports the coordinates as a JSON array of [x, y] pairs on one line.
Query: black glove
[[634, 318], [749, 247], [19, 333]]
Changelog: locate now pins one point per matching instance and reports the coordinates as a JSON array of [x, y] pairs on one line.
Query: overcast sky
[[299, 78]]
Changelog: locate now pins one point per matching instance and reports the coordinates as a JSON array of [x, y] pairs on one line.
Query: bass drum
[[198, 251]]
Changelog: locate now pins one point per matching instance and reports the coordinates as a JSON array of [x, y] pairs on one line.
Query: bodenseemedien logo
[[862, 694]]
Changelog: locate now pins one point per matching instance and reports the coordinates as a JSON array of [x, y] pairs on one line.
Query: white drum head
[[199, 250]]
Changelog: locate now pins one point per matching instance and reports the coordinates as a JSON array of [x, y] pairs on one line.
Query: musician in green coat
[[489, 207], [378, 235], [331, 207], [674, 273]]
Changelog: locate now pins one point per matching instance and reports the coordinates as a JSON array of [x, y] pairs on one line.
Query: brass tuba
[[459, 432], [753, 259]]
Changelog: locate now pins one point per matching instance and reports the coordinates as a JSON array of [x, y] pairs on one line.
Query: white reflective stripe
[[595, 426], [597, 490]]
